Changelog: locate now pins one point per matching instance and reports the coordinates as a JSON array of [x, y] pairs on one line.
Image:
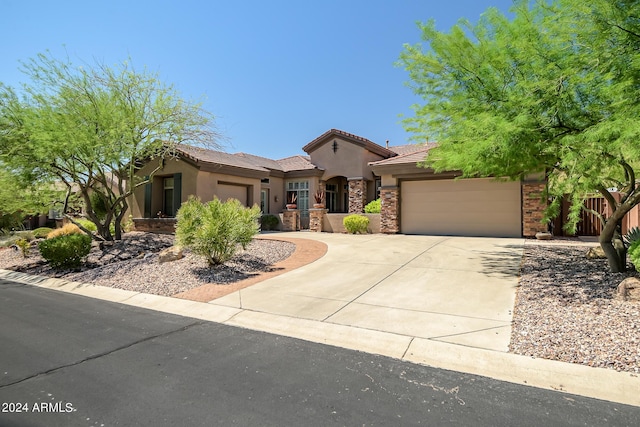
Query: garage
[[232, 191], [468, 207]]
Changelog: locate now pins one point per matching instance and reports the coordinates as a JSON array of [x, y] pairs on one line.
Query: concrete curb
[[599, 383]]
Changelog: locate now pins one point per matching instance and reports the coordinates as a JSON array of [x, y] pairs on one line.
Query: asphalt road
[[67, 360]]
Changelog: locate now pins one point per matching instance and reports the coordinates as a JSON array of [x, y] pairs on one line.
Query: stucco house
[[351, 171]]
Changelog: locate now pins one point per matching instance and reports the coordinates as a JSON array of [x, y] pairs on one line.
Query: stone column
[[290, 220], [357, 195], [533, 206], [389, 204], [315, 219]]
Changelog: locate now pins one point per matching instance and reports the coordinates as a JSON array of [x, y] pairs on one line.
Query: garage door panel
[[474, 207], [227, 191]]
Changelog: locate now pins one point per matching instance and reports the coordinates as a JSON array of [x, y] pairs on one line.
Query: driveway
[[456, 290]]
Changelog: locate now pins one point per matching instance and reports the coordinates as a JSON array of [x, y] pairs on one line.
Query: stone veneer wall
[[315, 219], [533, 207], [357, 195], [155, 225], [290, 220], [389, 221]]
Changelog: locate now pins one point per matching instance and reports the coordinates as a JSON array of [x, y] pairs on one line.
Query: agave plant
[[632, 236]]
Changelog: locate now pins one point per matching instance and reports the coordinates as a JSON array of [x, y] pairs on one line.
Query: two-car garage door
[[468, 207]]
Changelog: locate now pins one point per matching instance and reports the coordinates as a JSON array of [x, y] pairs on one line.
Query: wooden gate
[[590, 224]]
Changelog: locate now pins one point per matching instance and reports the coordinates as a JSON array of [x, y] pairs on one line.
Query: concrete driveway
[[456, 290]]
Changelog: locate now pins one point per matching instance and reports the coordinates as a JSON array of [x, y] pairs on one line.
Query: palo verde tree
[[88, 127], [552, 88]]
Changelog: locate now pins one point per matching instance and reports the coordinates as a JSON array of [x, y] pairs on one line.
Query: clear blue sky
[[276, 74]]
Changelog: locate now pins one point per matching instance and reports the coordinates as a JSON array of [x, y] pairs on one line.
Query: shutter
[[147, 199], [177, 192]]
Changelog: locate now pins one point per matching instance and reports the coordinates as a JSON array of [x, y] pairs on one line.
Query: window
[[332, 197], [168, 207], [301, 190], [264, 201]]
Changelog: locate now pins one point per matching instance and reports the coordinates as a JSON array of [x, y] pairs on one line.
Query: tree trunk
[[613, 245]]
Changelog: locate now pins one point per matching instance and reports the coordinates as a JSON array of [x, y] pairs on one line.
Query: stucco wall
[[172, 166], [350, 160], [208, 186]]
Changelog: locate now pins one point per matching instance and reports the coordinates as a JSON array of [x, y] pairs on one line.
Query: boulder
[[173, 253], [596, 252], [628, 289], [544, 236]]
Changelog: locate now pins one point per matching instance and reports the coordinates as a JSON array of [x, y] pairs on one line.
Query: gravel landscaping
[[132, 264], [565, 308]]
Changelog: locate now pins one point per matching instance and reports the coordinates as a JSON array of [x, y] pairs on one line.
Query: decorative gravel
[[132, 264], [565, 310]]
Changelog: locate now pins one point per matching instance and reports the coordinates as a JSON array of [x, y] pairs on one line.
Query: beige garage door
[[227, 191], [469, 207]]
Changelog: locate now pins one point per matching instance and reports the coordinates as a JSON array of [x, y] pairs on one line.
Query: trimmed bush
[[269, 222], [65, 251], [24, 246], [373, 207], [42, 232], [215, 229], [356, 224], [87, 223], [65, 230]]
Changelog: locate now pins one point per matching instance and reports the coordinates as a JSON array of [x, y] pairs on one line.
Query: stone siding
[[357, 195], [533, 207], [389, 201], [315, 219], [290, 220], [155, 225]]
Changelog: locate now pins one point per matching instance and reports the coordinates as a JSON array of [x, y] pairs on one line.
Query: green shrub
[[215, 229], [41, 233], [65, 251], [373, 207], [634, 254], [87, 223], [356, 224], [24, 246], [99, 204], [269, 222]]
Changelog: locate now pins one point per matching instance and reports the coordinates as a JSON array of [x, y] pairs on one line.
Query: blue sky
[[276, 74]]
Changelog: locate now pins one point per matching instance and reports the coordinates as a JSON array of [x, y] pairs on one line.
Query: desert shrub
[[87, 223], [99, 204], [269, 222], [215, 229], [373, 207], [24, 246], [42, 232], [356, 223], [65, 251], [64, 230], [634, 254]]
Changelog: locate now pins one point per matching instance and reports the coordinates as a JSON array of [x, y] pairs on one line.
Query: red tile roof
[[295, 163]]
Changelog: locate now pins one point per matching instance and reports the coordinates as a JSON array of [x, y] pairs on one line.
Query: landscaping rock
[[596, 253], [544, 236], [173, 253], [628, 289]]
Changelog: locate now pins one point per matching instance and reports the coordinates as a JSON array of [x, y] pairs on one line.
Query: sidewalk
[[440, 301]]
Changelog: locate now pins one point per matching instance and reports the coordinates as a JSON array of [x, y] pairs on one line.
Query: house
[[351, 171]]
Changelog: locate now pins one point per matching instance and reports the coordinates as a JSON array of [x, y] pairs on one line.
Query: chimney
[[387, 144]]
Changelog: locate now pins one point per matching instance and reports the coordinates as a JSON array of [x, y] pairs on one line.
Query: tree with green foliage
[[553, 87], [18, 199], [88, 129]]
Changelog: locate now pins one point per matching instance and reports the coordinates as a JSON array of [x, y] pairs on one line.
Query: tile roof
[[295, 163], [218, 157], [261, 161], [358, 140], [411, 156], [408, 148]]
